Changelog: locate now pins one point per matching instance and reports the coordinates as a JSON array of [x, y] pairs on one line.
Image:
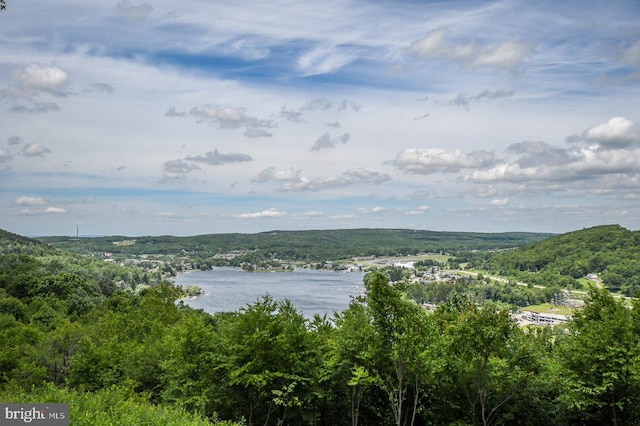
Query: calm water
[[310, 291]]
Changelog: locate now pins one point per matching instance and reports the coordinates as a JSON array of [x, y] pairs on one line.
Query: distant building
[[541, 318]]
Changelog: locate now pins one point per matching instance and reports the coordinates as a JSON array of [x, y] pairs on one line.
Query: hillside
[[610, 251], [30, 269], [315, 245], [17, 244]]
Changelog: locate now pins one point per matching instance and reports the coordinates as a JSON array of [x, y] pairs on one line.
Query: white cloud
[[508, 55], [343, 216], [273, 174], [583, 163], [349, 177], [34, 150], [511, 172], [31, 201], [324, 60], [272, 212], [499, 202], [433, 45], [617, 132], [432, 160], [305, 184], [54, 210], [419, 211], [376, 209], [361, 175], [227, 118], [36, 77]]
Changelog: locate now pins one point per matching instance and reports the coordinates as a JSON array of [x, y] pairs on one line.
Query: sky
[[159, 117]]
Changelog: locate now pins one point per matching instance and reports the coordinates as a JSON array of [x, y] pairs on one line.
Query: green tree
[[351, 360], [486, 360], [601, 360], [401, 346], [266, 361], [190, 368]]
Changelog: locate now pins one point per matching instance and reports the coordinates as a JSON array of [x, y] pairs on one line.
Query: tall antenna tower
[[77, 231]]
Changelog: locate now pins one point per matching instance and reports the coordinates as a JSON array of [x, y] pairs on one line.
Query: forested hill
[[30, 269], [17, 244], [314, 245], [610, 251]]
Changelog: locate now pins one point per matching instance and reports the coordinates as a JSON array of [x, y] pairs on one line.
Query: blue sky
[[156, 117]]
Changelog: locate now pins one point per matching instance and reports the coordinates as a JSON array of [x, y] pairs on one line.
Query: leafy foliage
[[115, 405], [69, 333]]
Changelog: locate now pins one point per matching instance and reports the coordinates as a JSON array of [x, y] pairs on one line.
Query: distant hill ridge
[[304, 245]]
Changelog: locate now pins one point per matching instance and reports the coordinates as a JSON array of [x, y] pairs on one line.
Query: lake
[[310, 291]]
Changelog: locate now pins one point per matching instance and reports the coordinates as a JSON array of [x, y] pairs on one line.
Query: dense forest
[[302, 245], [122, 350]]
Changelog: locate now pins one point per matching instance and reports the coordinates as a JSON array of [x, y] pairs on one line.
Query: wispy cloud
[[325, 59], [129, 11], [273, 174], [464, 100], [214, 158], [178, 169], [327, 142], [507, 55], [226, 118], [31, 201], [347, 178]]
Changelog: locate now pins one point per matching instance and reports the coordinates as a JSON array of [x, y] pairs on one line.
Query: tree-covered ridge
[[31, 271], [611, 252], [314, 245], [14, 243]]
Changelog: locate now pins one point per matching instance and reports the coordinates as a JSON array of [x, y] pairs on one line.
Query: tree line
[[306, 246]]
